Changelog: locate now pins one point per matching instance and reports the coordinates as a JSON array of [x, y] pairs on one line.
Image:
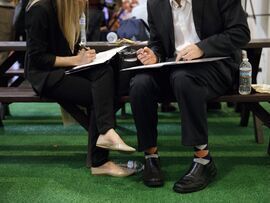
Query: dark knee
[[140, 83], [181, 82]]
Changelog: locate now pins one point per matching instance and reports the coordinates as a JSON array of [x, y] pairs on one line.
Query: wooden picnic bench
[[250, 102]]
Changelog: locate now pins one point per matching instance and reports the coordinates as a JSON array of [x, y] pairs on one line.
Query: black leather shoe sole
[[189, 190], [154, 183]]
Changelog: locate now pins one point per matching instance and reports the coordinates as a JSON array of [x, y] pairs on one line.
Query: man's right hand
[[146, 56]]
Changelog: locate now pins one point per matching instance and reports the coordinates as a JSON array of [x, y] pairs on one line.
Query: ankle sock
[[148, 155], [201, 154]]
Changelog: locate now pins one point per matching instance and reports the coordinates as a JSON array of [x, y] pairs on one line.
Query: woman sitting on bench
[[53, 28]]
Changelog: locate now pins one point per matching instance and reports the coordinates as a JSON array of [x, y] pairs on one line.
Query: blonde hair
[[68, 13]]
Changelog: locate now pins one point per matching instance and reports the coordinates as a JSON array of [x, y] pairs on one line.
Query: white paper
[[101, 57], [160, 65]]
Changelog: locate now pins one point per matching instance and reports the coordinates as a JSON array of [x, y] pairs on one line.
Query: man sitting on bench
[[188, 29]]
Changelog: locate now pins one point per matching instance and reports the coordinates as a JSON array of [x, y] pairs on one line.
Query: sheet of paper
[[159, 65], [101, 57]]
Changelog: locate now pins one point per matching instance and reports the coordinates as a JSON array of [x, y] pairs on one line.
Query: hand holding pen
[[146, 56], [86, 55]]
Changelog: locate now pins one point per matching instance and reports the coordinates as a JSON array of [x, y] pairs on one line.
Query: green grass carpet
[[42, 161]]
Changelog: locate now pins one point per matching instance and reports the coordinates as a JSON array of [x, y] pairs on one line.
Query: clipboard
[[101, 57], [171, 63]]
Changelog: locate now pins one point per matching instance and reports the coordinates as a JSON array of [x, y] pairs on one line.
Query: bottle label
[[245, 73]]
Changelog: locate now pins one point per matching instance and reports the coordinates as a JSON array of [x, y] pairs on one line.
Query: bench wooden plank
[[20, 94], [256, 97], [26, 94]]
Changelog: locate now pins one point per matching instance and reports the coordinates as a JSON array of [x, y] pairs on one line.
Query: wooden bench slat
[[20, 94], [24, 94], [257, 97]]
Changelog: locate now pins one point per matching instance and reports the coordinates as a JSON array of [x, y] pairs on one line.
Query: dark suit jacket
[[220, 24], [45, 41]]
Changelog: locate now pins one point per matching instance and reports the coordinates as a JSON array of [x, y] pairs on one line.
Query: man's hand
[[190, 52], [146, 56]]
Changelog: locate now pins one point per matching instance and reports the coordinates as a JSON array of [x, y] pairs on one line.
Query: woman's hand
[[83, 57], [86, 56], [146, 56], [190, 52]]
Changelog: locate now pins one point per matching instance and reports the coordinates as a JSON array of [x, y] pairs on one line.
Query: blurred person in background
[[139, 10], [19, 27], [95, 20], [127, 10], [6, 26], [19, 20]]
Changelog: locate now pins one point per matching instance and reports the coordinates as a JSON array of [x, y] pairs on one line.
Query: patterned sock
[[201, 154], [148, 155]]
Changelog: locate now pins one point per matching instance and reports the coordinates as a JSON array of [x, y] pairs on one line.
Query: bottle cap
[[111, 37], [244, 55]]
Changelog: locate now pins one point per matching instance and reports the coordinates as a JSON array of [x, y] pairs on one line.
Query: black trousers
[[191, 86], [93, 89]]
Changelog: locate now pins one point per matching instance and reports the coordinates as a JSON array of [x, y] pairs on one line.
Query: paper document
[[101, 57], [160, 65]]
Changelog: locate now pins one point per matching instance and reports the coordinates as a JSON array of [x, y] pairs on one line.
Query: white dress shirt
[[184, 28]]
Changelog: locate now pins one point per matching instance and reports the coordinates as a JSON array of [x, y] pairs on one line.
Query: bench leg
[[6, 110], [269, 148], [244, 115], [88, 156], [258, 129], [2, 113]]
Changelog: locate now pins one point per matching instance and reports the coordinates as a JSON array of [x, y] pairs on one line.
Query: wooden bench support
[[258, 129], [244, 114], [2, 114], [269, 147], [260, 112]]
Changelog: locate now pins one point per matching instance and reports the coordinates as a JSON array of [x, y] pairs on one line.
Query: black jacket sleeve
[[155, 42], [37, 26]]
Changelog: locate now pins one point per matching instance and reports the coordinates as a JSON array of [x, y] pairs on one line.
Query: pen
[[83, 47]]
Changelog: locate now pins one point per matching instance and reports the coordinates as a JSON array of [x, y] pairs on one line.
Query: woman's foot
[[111, 140], [112, 169]]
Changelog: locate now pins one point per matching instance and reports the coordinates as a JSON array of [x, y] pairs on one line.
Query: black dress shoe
[[197, 178], [152, 175]]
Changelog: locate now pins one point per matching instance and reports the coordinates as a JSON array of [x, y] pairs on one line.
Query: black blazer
[[45, 41], [220, 24]]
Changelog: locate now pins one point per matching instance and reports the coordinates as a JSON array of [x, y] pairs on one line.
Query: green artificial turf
[[42, 161]]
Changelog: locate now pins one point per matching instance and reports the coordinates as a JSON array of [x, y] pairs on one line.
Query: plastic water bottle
[[134, 165], [111, 37], [83, 30], [245, 72]]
